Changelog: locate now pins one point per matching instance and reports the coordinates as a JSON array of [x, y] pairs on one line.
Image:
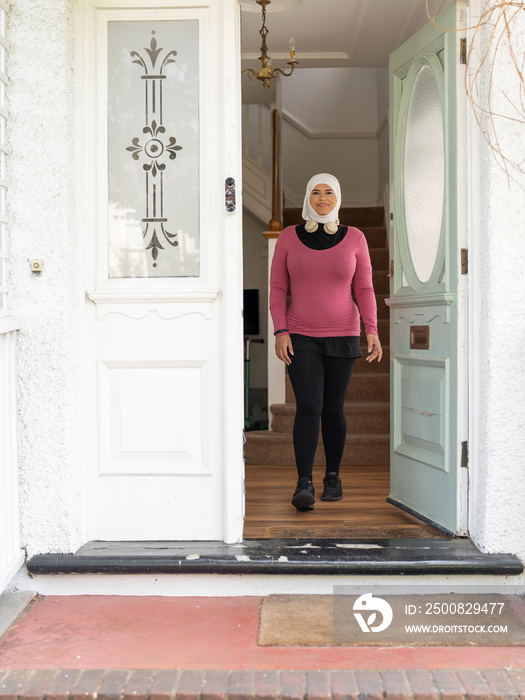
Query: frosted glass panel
[[424, 173], [153, 149]]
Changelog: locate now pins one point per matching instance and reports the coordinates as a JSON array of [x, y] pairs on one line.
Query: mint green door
[[428, 291]]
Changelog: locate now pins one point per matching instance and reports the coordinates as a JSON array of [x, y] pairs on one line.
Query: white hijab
[[310, 214]]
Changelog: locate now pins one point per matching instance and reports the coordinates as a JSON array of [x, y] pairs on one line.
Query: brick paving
[[199, 648], [391, 684]]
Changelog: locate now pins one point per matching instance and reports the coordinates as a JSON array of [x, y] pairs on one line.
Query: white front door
[[428, 300], [159, 119]]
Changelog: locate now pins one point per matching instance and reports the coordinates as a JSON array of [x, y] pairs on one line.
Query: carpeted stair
[[367, 408]]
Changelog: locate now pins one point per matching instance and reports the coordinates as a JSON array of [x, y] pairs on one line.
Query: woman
[[318, 336]]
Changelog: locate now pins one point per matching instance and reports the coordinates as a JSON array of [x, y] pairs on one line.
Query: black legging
[[319, 385]]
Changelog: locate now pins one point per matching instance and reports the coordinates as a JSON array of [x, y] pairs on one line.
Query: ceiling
[[333, 33]]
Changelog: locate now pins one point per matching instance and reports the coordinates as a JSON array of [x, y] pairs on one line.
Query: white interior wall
[[333, 100], [352, 161], [41, 100], [383, 140], [332, 124], [257, 134], [256, 277]]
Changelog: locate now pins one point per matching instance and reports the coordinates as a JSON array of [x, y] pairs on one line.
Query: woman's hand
[[375, 351], [284, 348]]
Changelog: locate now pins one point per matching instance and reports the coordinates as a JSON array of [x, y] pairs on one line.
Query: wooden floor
[[363, 512]]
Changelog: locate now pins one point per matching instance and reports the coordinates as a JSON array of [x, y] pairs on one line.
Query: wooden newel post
[[276, 222], [276, 368]]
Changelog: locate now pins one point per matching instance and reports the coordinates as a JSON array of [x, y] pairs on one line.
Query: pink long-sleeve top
[[321, 284]]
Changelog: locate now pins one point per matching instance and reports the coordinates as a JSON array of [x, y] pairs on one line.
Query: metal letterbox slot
[[420, 337]]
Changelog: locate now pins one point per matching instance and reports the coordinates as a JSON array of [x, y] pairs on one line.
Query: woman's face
[[323, 199]]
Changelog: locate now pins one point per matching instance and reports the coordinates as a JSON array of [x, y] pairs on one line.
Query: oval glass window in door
[[424, 172]]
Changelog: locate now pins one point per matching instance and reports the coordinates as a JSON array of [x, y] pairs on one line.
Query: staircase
[[367, 406]]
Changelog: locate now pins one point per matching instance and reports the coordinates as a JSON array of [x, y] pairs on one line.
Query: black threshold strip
[[281, 556]]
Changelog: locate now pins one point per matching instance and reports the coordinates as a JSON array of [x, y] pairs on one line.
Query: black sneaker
[[333, 491], [304, 496]]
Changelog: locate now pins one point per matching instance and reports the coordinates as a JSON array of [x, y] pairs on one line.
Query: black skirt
[[340, 346]]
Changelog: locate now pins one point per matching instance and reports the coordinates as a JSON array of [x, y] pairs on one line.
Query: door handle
[[229, 195]]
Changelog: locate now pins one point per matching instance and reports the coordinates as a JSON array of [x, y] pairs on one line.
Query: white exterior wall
[[41, 97], [497, 268], [41, 204]]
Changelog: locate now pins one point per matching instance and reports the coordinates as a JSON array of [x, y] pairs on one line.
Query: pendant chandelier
[[266, 74]]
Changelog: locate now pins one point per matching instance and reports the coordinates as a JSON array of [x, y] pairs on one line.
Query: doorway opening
[[343, 131]]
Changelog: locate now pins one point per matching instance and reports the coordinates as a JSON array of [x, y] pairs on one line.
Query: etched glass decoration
[[424, 173], [153, 149]]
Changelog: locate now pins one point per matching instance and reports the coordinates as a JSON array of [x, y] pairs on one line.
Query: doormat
[[308, 620], [296, 620], [368, 532]]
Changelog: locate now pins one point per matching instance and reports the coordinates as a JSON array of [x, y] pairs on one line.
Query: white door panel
[[160, 121]]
